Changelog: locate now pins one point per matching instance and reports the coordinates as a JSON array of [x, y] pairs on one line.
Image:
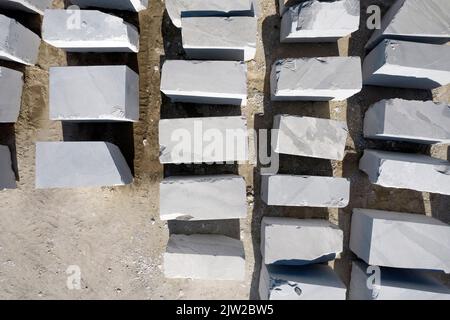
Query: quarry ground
[[114, 234]]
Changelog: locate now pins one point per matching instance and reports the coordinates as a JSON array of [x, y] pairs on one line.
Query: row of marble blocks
[[39, 6]]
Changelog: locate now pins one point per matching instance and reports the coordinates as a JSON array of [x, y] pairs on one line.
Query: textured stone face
[[403, 120], [305, 191], [406, 171], [315, 282], [396, 284], [17, 43], [94, 32], [400, 240], [7, 176], [205, 257], [80, 164], [316, 79], [203, 198], [11, 84], [288, 241], [415, 20], [94, 93], [130, 5], [406, 64], [34, 6], [218, 38], [310, 137], [315, 21]]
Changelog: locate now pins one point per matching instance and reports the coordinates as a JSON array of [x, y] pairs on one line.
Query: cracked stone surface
[[129, 5], [11, 86], [33, 6], [7, 176], [98, 32], [406, 171], [94, 93], [205, 257], [195, 198], [400, 240]]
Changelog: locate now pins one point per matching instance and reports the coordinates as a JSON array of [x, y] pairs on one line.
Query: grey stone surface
[[195, 198], [80, 164], [219, 38], [129, 5], [7, 176], [406, 171], [318, 21], [415, 20], [289, 241], [395, 284], [309, 137], [405, 64], [316, 79], [205, 257], [209, 82], [284, 5], [96, 32], [305, 191], [34, 6], [403, 120], [400, 240], [17, 43], [208, 139], [101, 93], [11, 85], [315, 282]]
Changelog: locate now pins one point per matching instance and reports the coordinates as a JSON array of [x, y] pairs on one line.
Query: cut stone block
[[395, 284], [17, 43], [415, 20], [203, 198], [33, 6], [205, 257], [406, 171], [289, 241], [102, 93], [315, 282], [402, 120], [97, 32], [218, 38], [309, 137], [316, 79], [80, 164], [177, 9], [7, 176], [198, 140], [208, 82], [405, 64], [11, 84], [400, 240], [129, 5], [305, 191], [284, 5], [315, 21]]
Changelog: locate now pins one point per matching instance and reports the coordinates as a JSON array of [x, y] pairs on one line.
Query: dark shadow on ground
[[8, 138]]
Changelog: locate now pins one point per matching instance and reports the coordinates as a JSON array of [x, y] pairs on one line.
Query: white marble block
[[309, 137], [203, 140], [33, 6], [79, 165], [395, 284], [219, 38], [305, 191], [204, 257], [7, 176], [194, 198], [129, 5], [316, 79], [101, 93], [415, 20], [289, 241], [406, 171], [424, 122], [400, 240], [406, 64], [318, 21], [17, 43], [95, 31], [315, 282], [207, 82], [11, 85]]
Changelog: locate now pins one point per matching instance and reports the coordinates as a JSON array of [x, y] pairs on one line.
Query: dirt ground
[[114, 234]]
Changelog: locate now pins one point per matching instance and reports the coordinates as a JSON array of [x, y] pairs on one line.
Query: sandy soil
[[114, 234]]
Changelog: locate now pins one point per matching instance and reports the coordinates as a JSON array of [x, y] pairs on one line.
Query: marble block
[[7, 175], [129, 5], [33, 6], [11, 85]]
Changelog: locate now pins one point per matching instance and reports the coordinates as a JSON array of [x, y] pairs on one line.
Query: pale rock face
[[7, 176], [33, 6], [11, 85], [130, 5]]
